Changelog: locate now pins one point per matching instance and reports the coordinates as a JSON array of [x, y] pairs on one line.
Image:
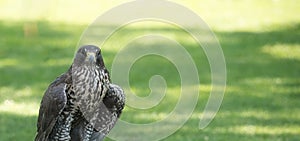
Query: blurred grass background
[[260, 40]]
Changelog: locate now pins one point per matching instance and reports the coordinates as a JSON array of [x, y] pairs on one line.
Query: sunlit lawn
[[262, 54]]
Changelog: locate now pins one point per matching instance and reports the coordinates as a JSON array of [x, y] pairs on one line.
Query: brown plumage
[[81, 104]]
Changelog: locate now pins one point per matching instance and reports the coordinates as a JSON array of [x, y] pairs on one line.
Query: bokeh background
[[260, 40]]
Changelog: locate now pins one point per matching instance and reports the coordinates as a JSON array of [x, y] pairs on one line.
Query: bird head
[[89, 55]]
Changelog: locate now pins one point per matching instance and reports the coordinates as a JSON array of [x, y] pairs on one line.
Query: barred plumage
[[82, 104]]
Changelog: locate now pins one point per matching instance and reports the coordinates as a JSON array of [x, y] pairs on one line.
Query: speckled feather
[[81, 104]]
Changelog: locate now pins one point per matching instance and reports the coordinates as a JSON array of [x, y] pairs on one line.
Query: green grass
[[262, 50]]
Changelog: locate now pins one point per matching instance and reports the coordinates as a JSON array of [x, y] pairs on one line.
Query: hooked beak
[[90, 56]]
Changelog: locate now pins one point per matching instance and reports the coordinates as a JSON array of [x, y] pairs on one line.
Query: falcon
[[82, 104]]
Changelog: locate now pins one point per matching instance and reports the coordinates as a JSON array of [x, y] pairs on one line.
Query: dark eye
[[98, 53], [83, 51]]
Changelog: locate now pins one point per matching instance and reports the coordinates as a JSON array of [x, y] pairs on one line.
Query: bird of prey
[[82, 104]]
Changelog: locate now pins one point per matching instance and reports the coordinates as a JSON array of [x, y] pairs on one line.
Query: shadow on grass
[[17, 127], [257, 81], [244, 53]]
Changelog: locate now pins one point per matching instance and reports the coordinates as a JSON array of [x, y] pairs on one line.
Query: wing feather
[[53, 103], [106, 115], [111, 108]]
